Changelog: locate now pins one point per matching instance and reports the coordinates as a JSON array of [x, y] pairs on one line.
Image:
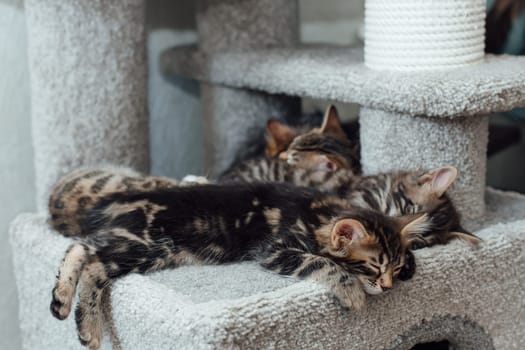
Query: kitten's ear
[[465, 236], [439, 179], [331, 123], [278, 136], [412, 227], [347, 232]]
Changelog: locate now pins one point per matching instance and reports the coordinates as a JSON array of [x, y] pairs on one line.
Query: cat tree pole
[[87, 62], [416, 35], [230, 113]]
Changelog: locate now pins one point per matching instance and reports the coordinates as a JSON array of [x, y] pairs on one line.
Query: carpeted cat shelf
[[425, 87]]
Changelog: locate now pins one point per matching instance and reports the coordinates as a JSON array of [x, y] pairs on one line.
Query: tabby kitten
[[394, 194], [292, 231], [325, 148]]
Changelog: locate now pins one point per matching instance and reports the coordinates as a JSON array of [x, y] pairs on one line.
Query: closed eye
[[397, 270], [374, 270]]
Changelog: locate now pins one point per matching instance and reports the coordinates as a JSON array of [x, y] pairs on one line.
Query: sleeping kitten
[[394, 194], [292, 231], [325, 148]]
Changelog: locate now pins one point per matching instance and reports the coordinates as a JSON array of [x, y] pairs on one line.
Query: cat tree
[[423, 109]]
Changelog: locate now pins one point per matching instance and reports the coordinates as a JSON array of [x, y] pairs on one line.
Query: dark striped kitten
[[324, 148], [394, 194], [412, 192], [292, 231]]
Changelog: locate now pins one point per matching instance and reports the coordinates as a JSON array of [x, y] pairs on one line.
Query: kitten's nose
[[385, 282]]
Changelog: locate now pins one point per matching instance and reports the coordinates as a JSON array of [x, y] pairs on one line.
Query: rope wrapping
[[423, 34]]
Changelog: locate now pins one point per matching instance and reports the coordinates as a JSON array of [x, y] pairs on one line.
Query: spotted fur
[[76, 193], [292, 231]]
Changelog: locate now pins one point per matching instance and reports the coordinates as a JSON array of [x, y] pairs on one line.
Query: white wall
[[16, 156]]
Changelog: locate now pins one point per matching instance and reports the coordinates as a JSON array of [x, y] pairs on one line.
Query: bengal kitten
[[292, 231], [324, 148]]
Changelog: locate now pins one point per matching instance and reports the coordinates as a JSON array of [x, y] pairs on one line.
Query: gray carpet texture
[[391, 141], [233, 116], [88, 86], [472, 297], [338, 73], [247, 24]]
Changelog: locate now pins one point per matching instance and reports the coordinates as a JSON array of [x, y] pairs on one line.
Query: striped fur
[[292, 231]]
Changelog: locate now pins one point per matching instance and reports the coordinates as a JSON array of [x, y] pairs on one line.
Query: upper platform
[[338, 73]]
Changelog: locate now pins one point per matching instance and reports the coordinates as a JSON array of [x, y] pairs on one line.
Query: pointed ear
[[347, 232], [439, 179], [278, 136], [331, 123], [412, 226], [465, 236]]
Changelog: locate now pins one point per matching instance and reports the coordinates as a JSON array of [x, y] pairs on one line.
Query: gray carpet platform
[[339, 73], [472, 297]]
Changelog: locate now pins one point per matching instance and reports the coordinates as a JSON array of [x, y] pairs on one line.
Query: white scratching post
[[416, 35], [88, 84], [424, 34]]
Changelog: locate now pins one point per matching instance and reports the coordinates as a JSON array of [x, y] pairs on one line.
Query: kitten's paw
[[352, 297], [60, 305], [190, 180], [409, 268], [89, 328]]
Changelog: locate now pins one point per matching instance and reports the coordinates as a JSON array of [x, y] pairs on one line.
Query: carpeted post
[[88, 83], [232, 116]]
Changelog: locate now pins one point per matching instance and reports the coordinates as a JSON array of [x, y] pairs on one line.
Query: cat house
[[425, 88]]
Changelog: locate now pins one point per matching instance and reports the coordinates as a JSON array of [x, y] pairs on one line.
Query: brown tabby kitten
[[326, 148], [394, 194], [292, 231]]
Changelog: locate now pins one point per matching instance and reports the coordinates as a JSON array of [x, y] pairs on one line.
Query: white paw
[[189, 180]]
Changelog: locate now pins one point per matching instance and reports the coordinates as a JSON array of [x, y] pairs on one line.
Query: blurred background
[[176, 148]]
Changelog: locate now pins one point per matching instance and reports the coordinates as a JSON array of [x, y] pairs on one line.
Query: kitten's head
[[416, 192], [374, 247], [325, 148]]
